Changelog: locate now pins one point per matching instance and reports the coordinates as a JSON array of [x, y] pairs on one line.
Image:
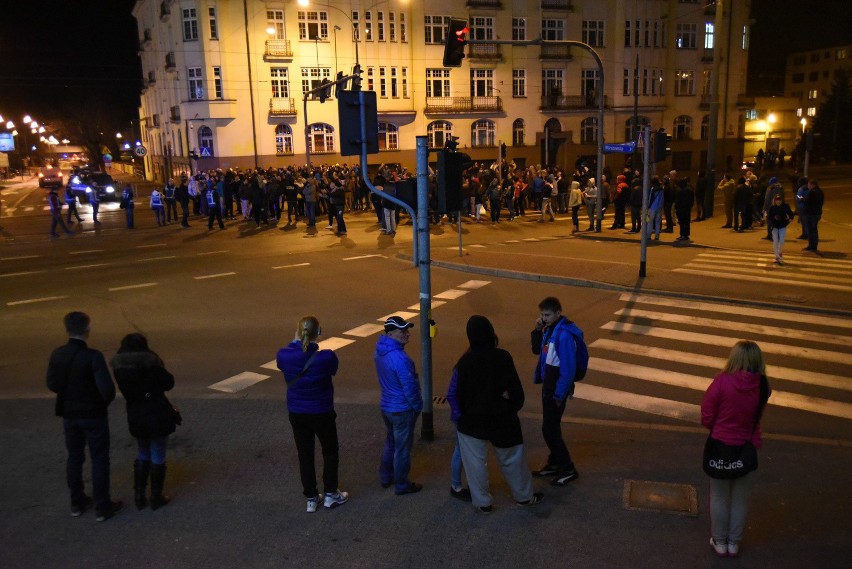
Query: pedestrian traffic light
[[451, 166], [454, 43], [503, 150], [356, 77], [662, 148], [325, 93]]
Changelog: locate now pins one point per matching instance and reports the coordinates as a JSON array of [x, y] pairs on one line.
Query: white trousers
[[513, 464]]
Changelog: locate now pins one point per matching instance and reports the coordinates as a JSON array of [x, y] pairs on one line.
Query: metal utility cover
[[645, 495]]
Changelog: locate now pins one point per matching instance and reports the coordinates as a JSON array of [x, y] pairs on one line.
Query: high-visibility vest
[[211, 198], [156, 201]]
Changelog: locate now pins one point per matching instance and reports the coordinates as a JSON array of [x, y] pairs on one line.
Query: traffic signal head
[[503, 150], [662, 145], [326, 91], [339, 85], [356, 79], [454, 43]]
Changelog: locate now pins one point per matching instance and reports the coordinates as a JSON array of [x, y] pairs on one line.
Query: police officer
[[127, 204], [171, 203], [213, 209]]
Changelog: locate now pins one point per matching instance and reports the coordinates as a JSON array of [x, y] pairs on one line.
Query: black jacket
[[143, 379], [80, 378]]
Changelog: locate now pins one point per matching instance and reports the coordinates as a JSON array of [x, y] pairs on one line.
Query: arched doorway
[[551, 141]]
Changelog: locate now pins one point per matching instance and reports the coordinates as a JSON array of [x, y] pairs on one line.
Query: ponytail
[[307, 331]]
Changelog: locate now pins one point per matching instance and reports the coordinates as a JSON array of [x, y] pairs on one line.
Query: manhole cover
[[681, 499]]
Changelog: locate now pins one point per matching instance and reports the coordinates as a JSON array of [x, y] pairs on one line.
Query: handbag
[[173, 410], [727, 462]]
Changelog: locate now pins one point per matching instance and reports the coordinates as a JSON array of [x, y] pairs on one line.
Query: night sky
[[50, 48]]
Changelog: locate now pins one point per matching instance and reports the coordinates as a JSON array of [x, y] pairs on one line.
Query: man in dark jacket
[[684, 200], [812, 209], [81, 380]]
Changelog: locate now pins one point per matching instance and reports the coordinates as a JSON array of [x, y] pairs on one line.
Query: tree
[[832, 126]]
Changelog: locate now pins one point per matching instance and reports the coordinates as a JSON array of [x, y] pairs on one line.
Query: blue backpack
[[581, 356]]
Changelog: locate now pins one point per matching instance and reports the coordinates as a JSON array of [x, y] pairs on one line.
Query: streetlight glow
[[28, 119], [10, 124]]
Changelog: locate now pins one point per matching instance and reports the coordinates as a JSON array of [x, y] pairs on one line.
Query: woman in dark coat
[[143, 380]]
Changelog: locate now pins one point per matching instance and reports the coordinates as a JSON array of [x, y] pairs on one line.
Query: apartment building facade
[[223, 80], [810, 76]]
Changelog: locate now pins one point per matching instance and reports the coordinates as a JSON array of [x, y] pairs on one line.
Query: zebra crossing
[[651, 335], [803, 271]]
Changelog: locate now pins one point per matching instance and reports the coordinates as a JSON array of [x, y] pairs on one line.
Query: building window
[[388, 136], [405, 82], [196, 83], [438, 83], [371, 79], [687, 36], [519, 82], [682, 128], [812, 94], [214, 30], [841, 54], [593, 32], [436, 28], [705, 127], [380, 25], [283, 139], [482, 133], [798, 78], [481, 28], [798, 112], [280, 83], [811, 111], [551, 82], [659, 39], [313, 24], [684, 83], [518, 132], [553, 29], [205, 141], [313, 76], [814, 58], [321, 138], [519, 29], [392, 26], [746, 37], [383, 88], [275, 21], [217, 83], [437, 133], [394, 82], [656, 81], [631, 133], [190, 24], [481, 82], [588, 130], [589, 84], [813, 76], [368, 26], [403, 29], [708, 35], [625, 86]]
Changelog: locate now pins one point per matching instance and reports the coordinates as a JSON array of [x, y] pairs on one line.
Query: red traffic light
[[454, 43]]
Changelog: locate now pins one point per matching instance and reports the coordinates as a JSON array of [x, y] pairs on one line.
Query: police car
[[82, 184]]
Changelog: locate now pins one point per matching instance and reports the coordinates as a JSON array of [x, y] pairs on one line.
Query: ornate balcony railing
[[570, 102], [556, 51], [497, 4], [567, 5], [438, 105], [484, 52], [282, 106], [278, 48]]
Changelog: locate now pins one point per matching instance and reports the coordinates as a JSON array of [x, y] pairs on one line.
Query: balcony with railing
[[707, 55], [174, 113], [282, 106], [171, 64], [705, 101], [566, 5], [277, 49], [553, 52], [570, 102], [484, 53], [496, 4], [165, 10], [452, 105]]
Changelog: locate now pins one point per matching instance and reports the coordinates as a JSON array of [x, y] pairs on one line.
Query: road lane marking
[[451, 294], [19, 258], [773, 270], [768, 256], [646, 404], [433, 304], [156, 258], [33, 300], [211, 252], [128, 287], [273, 365], [737, 310], [238, 382], [217, 275], [334, 343], [362, 257], [86, 266], [21, 274], [771, 330], [712, 362], [86, 252], [402, 313], [726, 342], [477, 245], [473, 285], [365, 330], [755, 278], [291, 266], [152, 245], [700, 383]]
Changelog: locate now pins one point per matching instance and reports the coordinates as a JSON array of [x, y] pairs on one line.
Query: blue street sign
[[622, 148]]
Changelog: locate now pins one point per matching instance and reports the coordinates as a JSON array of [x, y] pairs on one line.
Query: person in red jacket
[[731, 409]]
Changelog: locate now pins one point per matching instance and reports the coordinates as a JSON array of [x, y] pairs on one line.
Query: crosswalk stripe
[[365, 330], [736, 310], [451, 294], [654, 405], [808, 270], [762, 257], [238, 382], [756, 278], [433, 304], [700, 383], [724, 341], [734, 325], [334, 343], [474, 284], [712, 362], [401, 313], [774, 269]]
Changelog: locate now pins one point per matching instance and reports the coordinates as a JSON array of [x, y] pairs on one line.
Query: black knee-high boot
[[158, 478], [141, 468]]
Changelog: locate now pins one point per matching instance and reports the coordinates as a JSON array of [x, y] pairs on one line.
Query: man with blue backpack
[[563, 359]]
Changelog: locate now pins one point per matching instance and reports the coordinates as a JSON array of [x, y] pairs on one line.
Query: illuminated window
[[283, 139], [438, 132]]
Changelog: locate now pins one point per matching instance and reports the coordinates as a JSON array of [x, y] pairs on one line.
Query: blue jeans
[[310, 212], [396, 456], [153, 450], [94, 432]]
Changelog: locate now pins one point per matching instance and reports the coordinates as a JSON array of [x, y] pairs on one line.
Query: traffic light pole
[[646, 189], [306, 96]]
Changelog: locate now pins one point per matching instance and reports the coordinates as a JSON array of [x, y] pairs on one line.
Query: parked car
[[49, 176], [82, 184]]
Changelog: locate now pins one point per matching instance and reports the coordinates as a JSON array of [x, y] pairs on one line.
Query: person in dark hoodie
[[310, 402], [490, 395], [143, 380]]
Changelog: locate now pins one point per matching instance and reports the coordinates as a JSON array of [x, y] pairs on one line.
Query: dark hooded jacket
[[143, 380], [489, 390]]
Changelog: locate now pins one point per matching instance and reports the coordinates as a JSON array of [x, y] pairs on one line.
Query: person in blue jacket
[[310, 402], [401, 403], [553, 342]]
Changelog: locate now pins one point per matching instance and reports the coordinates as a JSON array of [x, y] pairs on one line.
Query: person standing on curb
[[157, 206], [812, 208], [684, 200], [182, 197], [553, 342], [169, 191], [457, 491], [401, 404], [731, 409], [143, 381], [728, 189], [127, 205], [490, 395], [84, 389], [308, 372]]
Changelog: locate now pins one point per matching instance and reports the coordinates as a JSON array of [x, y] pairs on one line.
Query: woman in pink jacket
[[731, 409]]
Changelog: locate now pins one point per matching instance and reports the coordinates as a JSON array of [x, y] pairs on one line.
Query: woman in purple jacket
[[310, 401], [731, 409]]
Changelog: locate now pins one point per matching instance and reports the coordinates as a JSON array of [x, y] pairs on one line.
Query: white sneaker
[[733, 549], [334, 499], [720, 547], [313, 503]]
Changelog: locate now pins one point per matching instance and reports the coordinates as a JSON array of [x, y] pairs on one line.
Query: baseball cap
[[397, 323]]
